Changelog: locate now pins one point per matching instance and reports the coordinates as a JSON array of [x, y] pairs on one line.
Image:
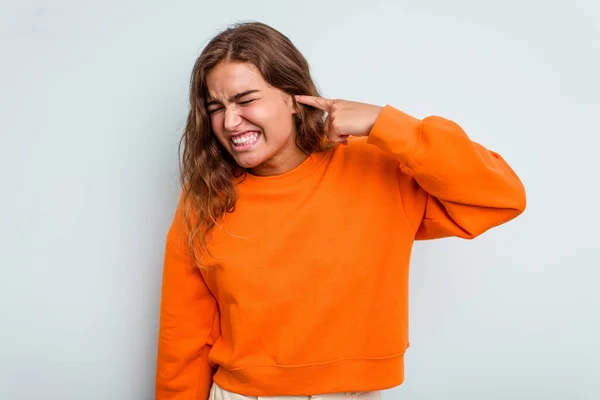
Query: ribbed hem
[[355, 375]]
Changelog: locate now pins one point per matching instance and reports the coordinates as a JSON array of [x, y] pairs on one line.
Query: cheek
[[216, 124], [256, 115], [266, 116], [216, 121]]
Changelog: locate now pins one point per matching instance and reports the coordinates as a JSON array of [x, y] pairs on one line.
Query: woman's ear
[[295, 104]]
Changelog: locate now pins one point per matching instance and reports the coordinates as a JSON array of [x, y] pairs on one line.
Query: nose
[[232, 119]]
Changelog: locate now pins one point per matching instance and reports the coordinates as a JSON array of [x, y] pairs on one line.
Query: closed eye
[[214, 110]]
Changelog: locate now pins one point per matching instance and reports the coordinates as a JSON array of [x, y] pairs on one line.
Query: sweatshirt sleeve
[[449, 185], [189, 325]]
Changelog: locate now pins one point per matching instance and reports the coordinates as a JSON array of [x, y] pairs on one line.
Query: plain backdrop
[[93, 101]]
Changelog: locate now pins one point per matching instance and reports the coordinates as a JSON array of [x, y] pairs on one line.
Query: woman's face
[[251, 119]]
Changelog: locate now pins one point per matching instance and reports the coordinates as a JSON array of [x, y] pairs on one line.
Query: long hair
[[207, 171]]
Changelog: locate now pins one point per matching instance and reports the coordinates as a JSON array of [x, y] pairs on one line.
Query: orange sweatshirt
[[311, 291]]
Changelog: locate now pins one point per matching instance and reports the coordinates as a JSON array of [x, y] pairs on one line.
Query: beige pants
[[218, 393]]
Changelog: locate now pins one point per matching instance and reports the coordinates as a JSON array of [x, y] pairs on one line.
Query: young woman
[[286, 266]]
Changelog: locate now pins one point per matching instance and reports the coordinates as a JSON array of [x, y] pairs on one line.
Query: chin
[[247, 162]]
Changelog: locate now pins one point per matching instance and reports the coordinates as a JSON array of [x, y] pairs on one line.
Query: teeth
[[248, 138]]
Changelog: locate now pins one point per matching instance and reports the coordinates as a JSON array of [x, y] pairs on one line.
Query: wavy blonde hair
[[207, 170]]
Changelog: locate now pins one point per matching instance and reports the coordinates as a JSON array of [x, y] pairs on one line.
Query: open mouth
[[245, 141]]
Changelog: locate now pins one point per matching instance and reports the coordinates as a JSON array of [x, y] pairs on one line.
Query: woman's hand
[[345, 118]]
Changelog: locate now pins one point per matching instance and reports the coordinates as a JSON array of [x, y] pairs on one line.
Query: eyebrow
[[234, 98]]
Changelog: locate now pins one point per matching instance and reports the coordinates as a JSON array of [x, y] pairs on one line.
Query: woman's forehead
[[229, 78]]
